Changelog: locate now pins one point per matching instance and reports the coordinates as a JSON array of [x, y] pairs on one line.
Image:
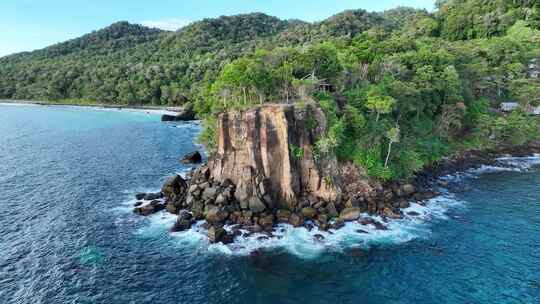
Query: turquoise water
[[67, 234]]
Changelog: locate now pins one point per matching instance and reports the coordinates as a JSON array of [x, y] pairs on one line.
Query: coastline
[[471, 159], [151, 109]]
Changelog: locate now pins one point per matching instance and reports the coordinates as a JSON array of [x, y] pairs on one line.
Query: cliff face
[[268, 154]]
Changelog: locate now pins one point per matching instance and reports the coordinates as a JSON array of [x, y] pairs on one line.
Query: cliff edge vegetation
[[400, 99]]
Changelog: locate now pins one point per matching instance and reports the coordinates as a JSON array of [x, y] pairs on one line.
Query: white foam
[[305, 244]]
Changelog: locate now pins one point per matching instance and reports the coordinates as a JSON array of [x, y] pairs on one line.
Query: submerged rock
[[187, 114], [192, 158], [150, 208], [216, 234]]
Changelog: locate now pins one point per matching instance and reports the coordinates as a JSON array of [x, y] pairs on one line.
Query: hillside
[[127, 63]]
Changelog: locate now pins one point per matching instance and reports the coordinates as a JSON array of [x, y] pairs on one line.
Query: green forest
[[400, 89]]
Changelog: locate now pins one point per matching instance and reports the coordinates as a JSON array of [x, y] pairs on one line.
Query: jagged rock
[[186, 114], [388, 212], [153, 196], [295, 220], [309, 212], [332, 211], [283, 215], [422, 196], [267, 222], [404, 204], [350, 214], [174, 189], [192, 158], [209, 193], [193, 188], [140, 196], [221, 199], [184, 222], [406, 190], [171, 208], [216, 215], [413, 213], [256, 205], [254, 229], [216, 234], [137, 204], [150, 208]]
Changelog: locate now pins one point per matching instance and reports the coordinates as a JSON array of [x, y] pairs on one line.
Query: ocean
[[68, 176]]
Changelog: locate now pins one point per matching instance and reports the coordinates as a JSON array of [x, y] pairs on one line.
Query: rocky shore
[[265, 172]]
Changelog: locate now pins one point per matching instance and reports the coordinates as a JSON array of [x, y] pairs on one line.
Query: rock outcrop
[[267, 152], [187, 114], [266, 171]]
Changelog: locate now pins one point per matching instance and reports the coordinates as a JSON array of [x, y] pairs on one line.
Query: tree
[[393, 137], [379, 102]]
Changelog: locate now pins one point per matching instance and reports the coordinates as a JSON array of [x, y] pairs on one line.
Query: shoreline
[[151, 109], [471, 159], [426, 184]]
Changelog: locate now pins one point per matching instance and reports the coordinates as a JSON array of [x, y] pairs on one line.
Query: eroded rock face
[[267, 152]]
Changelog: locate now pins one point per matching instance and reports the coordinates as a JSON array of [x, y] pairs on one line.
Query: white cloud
[[171, 24]]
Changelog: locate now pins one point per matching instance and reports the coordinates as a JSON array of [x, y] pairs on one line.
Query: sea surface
[[68, 235]]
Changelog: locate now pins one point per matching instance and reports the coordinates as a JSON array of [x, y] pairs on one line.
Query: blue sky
[[32, 24]]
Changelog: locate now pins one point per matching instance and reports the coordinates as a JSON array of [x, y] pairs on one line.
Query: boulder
[[216, 215], [390, 213], [150, 208], [256, 205], [153, 196], [426, 195], [186, 114], [192, 158], [295, 220], [184, 222], [221, 199], [406, 190], [209, 193], [308, 212], [332, 211], [216, 234], [350, 214], [267, 222], [174, 188], [140, 196], [283, 215], [171, 208]]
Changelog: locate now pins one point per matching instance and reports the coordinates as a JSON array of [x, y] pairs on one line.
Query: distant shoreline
[[153, 109]]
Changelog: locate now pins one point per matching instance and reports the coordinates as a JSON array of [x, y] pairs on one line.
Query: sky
[[27, 25]]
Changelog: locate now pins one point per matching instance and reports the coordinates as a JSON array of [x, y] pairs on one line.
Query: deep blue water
[[67, 235]]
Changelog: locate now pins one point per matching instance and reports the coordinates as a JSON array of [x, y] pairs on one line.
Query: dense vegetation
[[400, 97], [400, 89]]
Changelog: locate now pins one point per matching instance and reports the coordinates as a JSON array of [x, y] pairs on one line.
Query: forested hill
[[128, 63]]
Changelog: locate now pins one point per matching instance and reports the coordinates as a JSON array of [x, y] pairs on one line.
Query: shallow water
[[67, 235]]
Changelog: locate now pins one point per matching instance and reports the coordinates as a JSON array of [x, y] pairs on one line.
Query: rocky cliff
[[268, 154], [266, 171]]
